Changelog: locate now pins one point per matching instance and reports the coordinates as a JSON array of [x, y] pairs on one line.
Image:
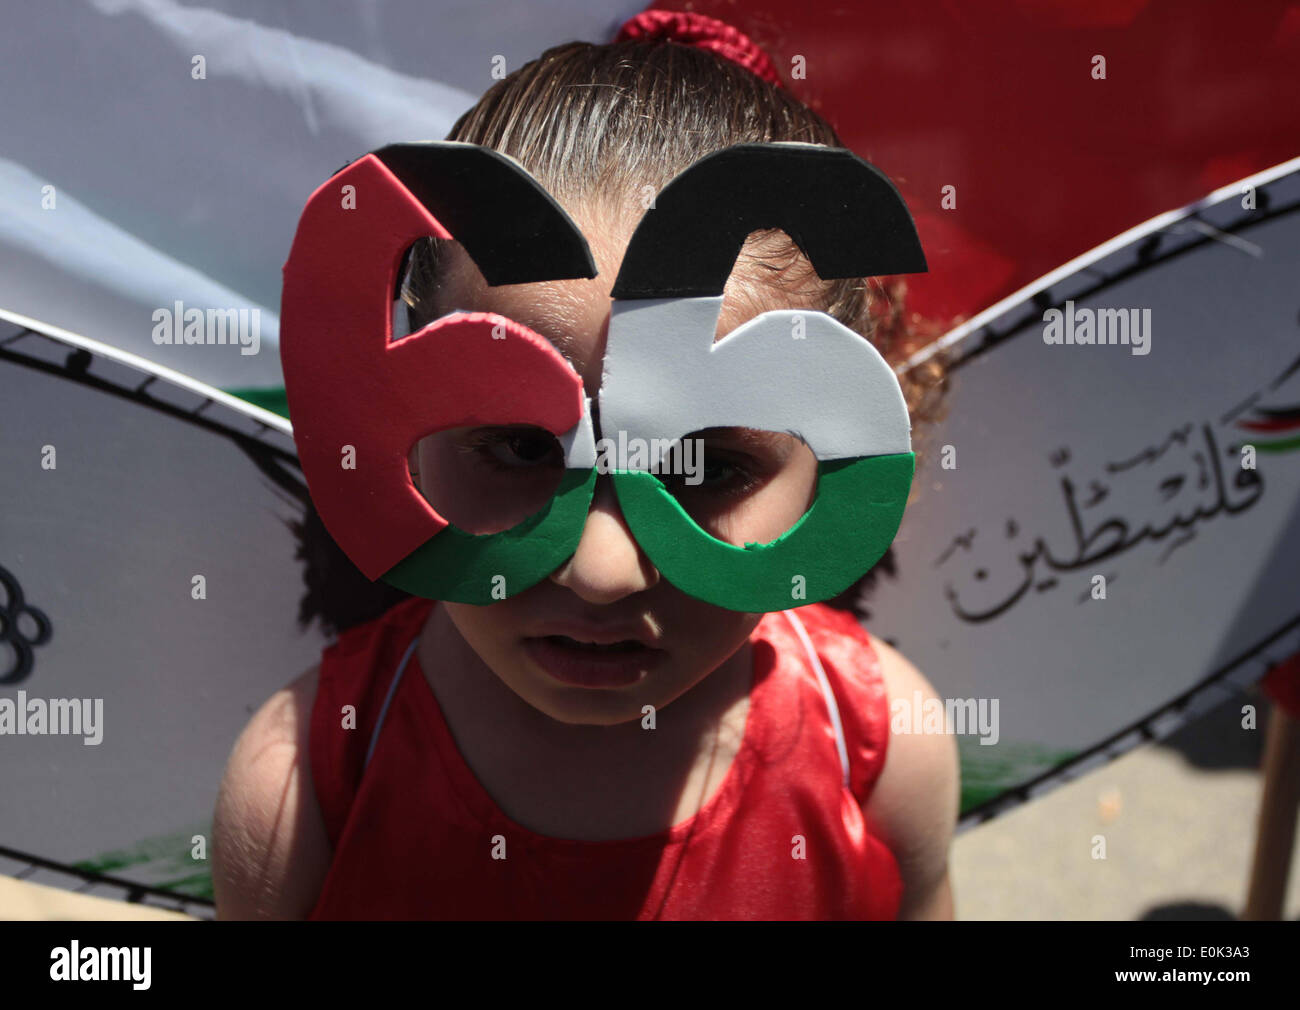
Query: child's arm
[[914, 803], [270, 850]]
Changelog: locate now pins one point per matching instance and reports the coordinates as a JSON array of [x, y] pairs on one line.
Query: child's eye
[[720, 473], [515, 448]]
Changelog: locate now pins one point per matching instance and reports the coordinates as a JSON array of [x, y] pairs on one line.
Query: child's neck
[[586, 781]]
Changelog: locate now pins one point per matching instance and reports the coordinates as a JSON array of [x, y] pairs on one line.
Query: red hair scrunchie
[[690, 29]]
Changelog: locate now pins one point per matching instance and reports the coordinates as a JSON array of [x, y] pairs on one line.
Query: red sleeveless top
[[784, 836]]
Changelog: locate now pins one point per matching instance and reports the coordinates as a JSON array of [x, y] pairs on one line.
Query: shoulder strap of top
[[388, 700], [832, 708], [356, 677]]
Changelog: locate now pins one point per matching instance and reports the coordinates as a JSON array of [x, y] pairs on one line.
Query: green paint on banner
[[989, 771], [1286, 445], [270, 398], [163, 861]]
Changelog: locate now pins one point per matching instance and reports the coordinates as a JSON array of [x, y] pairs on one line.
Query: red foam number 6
[[348, 384]]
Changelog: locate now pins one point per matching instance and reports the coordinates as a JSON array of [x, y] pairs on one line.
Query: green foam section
[[462, 567], [849, 527]]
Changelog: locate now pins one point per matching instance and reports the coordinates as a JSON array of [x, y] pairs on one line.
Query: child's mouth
[[627, 645], [592, 664]]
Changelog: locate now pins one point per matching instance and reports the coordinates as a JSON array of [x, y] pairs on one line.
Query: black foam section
[[842, 212], [512, 228]]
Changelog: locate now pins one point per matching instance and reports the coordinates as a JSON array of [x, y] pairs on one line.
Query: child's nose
[[608, 564]]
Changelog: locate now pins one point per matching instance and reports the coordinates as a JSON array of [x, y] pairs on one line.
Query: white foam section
[[665, 377]]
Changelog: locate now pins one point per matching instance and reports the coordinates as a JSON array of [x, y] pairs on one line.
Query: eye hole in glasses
[[489, 478], [743, 485], [740, 485]]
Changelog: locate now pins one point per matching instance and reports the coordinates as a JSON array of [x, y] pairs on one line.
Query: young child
[[503, 764]]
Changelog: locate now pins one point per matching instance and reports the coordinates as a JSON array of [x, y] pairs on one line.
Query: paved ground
[[1178, 819], [21, 900], [1179, 823]]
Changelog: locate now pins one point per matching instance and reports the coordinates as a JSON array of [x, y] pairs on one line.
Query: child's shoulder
[[915, 801], [270, 852], [908, 782], [272, 833]]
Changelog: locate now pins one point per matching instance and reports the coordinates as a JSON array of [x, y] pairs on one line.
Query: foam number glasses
[[763, 471]]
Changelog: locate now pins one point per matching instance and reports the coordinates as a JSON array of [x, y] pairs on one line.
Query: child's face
[[752, 487]]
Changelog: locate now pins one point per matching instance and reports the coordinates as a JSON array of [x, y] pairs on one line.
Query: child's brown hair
[[594, 123]]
